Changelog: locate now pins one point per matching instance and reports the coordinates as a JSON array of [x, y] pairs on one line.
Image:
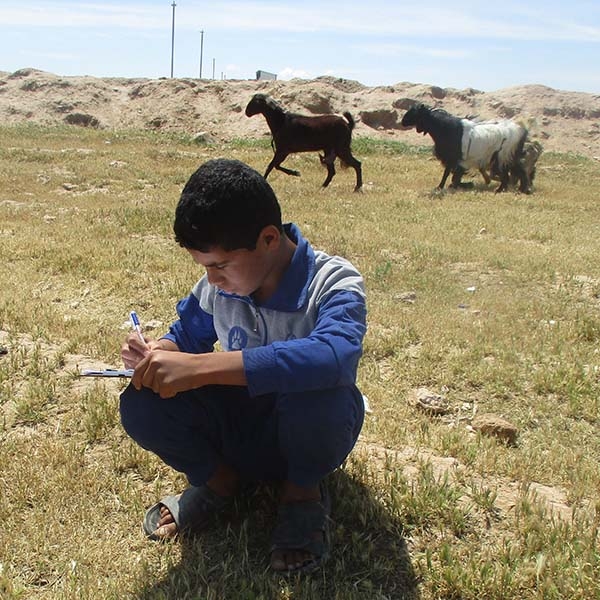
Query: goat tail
[[350, 120], [523, 139]]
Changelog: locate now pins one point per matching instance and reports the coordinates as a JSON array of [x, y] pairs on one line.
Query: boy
[[279, 403]]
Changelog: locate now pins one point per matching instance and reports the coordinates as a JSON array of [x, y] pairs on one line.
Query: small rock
[[202, 137], [493, 425], [430, 402], [437, 92], [408, 297], [82, 120], [152, 325], [404, 103]]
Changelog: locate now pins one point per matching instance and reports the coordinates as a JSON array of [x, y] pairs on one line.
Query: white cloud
[[64, 14], [291, 73], [53, 55], [399, 50], [233, 71], [427, 18], [534, 21]]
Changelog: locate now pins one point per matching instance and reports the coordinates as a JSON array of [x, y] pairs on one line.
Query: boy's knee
[[128, 410], [137, 416], [322, 423]]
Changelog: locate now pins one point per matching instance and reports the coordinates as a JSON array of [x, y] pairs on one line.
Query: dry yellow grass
[[490, 300]]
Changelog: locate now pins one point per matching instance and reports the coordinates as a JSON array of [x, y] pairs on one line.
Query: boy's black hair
[[225, 204]]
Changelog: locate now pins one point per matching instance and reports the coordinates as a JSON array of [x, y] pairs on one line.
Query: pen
[[135, 323]]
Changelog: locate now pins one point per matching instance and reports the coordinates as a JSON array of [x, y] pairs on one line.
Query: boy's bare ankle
[[224, 482], [291, 492]]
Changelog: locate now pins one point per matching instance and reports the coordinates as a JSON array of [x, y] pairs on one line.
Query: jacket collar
[[292, 291]]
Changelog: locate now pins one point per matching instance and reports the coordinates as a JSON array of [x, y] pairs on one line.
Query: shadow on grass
[[369, 558]]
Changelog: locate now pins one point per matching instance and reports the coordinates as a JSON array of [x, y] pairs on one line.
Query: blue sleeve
[[194, 331], [327, 358]]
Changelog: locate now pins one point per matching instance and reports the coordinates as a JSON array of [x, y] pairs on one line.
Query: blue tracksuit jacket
[[307, 336]]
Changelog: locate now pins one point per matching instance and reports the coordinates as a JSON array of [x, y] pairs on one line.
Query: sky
[[457, 44]]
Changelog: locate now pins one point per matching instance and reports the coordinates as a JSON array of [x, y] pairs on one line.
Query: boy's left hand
[[167, 373]]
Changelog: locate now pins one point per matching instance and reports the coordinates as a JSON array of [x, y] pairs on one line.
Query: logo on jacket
[[238, 338]]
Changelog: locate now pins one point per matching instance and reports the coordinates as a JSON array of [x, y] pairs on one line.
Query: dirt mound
[[563, 121]]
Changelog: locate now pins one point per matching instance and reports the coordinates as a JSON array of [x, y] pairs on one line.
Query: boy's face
[[242, 272]]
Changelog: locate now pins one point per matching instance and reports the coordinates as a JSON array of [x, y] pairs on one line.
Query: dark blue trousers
[[299, 437]]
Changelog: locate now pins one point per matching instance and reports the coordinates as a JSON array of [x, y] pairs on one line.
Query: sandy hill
[[563, 121]]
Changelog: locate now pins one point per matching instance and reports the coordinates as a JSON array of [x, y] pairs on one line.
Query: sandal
[[296, 524], [192, 510]]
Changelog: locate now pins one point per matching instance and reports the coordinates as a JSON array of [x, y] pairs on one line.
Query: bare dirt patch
[[563, 121]]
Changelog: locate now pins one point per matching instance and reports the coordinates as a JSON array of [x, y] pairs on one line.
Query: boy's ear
[[270, 236]]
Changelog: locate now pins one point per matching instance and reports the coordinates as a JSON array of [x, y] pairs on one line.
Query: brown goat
[[298, 133]]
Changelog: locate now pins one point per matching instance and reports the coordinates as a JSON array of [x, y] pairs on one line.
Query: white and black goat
[[463, 144], [292, 132]]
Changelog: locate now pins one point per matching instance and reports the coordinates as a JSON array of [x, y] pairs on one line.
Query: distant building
[[262, 75]]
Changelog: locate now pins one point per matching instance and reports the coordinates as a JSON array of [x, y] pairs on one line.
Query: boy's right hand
[[133, 351]]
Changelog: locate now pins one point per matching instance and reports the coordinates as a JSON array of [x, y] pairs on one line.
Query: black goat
[[298, 133], [463, 144]]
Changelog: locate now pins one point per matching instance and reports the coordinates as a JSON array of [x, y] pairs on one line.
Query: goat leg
[[358, 170], [288, 171], [444, 177], [457, 177], [521, 175], [269, 168], [330, 173], [328, 159], [504, 180], [348, 160], [276, 163]]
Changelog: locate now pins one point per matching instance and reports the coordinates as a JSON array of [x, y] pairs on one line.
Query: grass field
[[490, 300]]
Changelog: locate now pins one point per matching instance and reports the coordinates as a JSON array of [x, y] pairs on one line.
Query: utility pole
[[213, 68], [201, 47], [173, 37]]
